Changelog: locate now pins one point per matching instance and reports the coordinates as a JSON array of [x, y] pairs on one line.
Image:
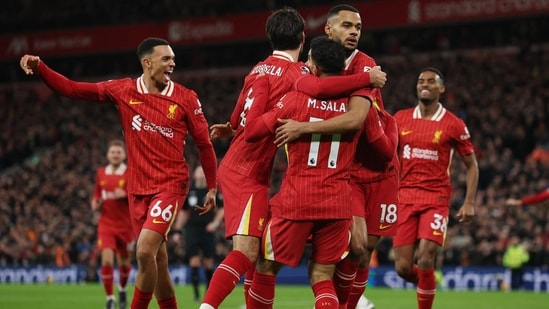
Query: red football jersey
[[316, 183], [155, 127], [426, 148], [115, 213], [368, 167], [255, 160]]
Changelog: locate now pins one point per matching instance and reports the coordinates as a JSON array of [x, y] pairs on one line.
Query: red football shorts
[[421, 221], [284, 240], [245, 202], [121, 241], [377, 202], [155, 212]]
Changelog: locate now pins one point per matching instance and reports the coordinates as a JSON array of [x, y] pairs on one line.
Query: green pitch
[[90, 296]]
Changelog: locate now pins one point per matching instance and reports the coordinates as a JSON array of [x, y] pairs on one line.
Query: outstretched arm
[[340, 85], [530, 199], [59, 83]]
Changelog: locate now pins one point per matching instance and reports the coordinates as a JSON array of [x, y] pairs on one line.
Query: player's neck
[[115, 167], [289, 54], [428, 109], [153, 86]]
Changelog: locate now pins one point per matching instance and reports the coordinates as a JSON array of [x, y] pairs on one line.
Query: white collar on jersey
[[109, 170], [142, 88], [283, 55], [350, 59], [437, 116]]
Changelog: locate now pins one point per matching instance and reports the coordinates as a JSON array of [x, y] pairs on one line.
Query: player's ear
[[328, 30], [442, 88], [146, 62]]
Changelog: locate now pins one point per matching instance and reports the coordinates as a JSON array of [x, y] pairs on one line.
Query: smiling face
[[429, 87], [157, 67], [345, 28]]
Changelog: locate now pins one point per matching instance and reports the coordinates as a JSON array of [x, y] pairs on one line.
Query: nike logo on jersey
[[406, 132], [157, 221], [132, 102], [437, 233], [383, 227]]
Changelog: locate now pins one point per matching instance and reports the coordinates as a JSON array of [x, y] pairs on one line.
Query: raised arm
[[59, 83]]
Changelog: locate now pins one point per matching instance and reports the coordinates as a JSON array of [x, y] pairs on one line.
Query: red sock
[[262, 291], [248, 279], [344, 276], [426, 288], [124, 272], [325, 295], [107, 276], [359, 286], [168, 303], [225, 277], [140, 299], [413, 277]]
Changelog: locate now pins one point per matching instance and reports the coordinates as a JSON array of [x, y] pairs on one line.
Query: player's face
[[160, 64], [345, 28], [429, 87], [116, 155]]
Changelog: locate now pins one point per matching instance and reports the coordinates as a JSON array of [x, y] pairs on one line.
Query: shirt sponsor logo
[[418, 153], [139, 124]]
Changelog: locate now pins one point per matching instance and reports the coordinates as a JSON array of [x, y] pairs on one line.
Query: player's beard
[[428, 101]]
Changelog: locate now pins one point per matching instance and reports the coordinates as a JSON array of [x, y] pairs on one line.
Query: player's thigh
[[245, 203], [125, 243], [407, 227], [330, 241], [284, 240], [162, 211], [382, 206], [358, 197]]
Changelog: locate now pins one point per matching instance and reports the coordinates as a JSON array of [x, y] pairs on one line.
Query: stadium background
[[494, 54]]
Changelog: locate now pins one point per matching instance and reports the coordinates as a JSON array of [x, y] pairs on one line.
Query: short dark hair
[[147, 46], [341, 7], [285, 28], [328, 55], [434, 70]]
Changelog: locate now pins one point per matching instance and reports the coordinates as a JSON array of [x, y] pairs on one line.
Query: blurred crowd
[[50, 146]]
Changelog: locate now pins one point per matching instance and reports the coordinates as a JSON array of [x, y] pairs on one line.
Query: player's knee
[[359, 249], [144, 257], [403, 270]]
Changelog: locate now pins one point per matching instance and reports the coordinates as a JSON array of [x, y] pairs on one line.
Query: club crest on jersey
[[171, 111], [121, 183], [438, 134]]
